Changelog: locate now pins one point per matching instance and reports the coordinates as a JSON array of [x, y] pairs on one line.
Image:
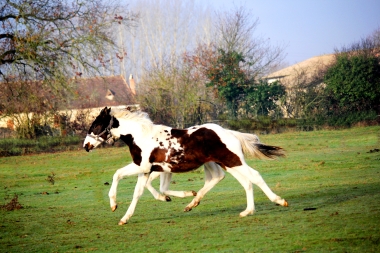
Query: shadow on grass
[[325, 197]]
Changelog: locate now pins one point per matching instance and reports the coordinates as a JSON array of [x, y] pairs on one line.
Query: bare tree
[[44, 43], [166, 29], [368, 46], [234, 31], [172, 95], [46, 39], [375, 37], [156, 49]]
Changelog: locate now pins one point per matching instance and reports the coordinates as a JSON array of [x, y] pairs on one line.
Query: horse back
[[182, 150]]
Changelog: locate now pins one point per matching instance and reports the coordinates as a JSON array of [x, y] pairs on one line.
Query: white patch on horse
[[93, 140], [193, 129], [165, 141], [166, 167]]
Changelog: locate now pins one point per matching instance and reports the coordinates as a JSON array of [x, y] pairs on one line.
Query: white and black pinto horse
[[159, 148]]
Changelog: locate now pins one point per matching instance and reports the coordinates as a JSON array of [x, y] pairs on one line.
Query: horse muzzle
[[88, 147]]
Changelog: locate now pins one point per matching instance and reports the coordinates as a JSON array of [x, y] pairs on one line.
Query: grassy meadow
[[331, 180]]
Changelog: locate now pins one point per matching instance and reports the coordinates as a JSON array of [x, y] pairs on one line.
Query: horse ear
[[105, 111]]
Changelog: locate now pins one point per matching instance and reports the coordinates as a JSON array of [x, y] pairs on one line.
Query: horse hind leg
[[255, 177], [156, 194], [213, 175], [247, 185], [165, 180], [180, 194]]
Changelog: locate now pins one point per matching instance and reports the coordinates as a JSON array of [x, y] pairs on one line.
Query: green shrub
[[350, 118], [14, 147]]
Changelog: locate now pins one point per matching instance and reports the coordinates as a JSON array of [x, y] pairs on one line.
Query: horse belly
[[184, 166]]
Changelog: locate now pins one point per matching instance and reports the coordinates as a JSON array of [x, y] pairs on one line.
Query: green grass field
[[330, 179]]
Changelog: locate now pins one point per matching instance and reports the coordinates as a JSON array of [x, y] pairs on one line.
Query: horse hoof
[[245, 213], [194, 193], [187, 209], [168, 199], [121, 223], [285, 203], [113, 208]]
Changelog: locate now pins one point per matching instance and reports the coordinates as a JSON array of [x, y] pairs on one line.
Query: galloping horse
[[158, 148]]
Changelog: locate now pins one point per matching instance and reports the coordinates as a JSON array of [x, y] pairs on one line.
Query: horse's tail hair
[[252, 146]]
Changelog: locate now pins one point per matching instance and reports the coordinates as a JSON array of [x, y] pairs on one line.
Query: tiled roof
[[101, 91], [308, 67]]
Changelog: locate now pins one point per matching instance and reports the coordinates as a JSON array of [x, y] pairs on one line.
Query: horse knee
[[256, 178]]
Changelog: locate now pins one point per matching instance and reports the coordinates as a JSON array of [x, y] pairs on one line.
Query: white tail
[[251, 146]]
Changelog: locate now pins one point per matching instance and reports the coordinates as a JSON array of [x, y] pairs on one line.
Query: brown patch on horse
[[133, 148], [156, 168], [158, 155]]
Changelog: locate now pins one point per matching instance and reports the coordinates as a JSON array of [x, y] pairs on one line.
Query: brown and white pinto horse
[[158, 148]]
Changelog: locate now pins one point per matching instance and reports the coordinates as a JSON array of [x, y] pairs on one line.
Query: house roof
[[307, 68], [101, 91]]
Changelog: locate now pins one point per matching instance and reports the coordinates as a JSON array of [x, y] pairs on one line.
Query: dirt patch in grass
[[12, 205]]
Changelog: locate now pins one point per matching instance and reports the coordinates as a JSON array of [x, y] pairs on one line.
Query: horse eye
[[98, 130], [95, 130]]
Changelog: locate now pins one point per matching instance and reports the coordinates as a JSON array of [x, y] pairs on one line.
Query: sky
[[308, 28]]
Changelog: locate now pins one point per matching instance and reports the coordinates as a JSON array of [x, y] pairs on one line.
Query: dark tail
[[270, 152]]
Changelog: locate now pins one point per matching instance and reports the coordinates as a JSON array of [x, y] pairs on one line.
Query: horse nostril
[[86, 147]]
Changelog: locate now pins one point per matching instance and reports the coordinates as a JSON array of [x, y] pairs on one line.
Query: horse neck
[[135, 128]]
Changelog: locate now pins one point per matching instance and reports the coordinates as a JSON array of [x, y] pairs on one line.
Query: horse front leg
[[249, 174], [129, 170], [139, 190], [257, 179]]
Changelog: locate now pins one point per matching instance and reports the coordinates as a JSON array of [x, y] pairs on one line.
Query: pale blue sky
[[309, 27]]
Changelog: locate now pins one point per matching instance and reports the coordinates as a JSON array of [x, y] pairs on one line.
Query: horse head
[[100, 130]]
